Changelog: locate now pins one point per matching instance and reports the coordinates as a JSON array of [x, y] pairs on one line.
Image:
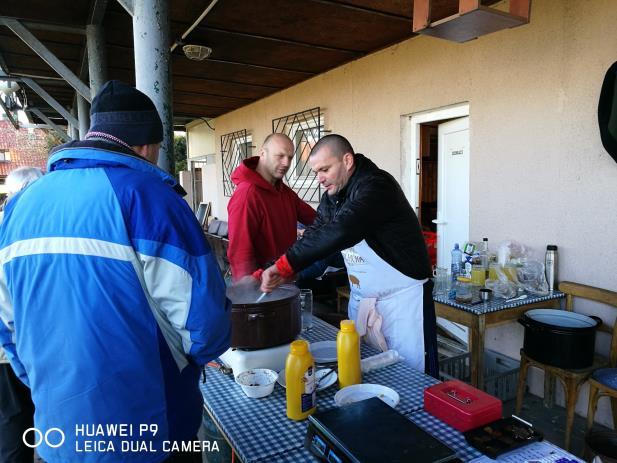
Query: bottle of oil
[[348, 353], [300, 381]]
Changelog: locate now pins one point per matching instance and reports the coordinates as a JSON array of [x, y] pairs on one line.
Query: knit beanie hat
[[123, 112]]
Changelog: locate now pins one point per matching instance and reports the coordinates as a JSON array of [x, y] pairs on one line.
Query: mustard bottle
[[348, 353], [300, 380]]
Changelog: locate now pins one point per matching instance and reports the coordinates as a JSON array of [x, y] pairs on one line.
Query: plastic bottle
[[484, 253], [381, 360], [456, 266], [348, 353], [550, 263], [300, 381]]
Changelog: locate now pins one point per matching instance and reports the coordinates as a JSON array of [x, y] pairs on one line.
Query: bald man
[[263, 212]]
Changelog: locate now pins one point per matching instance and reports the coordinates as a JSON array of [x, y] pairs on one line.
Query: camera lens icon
[[53, 437]]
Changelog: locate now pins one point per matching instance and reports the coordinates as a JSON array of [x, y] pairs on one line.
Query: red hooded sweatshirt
[[262, 219]]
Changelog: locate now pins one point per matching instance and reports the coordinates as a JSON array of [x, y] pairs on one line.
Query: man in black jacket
[[365, 215]]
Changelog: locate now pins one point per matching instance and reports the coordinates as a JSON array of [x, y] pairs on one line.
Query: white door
[[453, 188]]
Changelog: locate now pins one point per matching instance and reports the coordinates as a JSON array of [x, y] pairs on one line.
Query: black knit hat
[[607, 111], [126, 113]]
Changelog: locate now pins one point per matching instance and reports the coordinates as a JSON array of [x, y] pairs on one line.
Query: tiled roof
[[27, 147]]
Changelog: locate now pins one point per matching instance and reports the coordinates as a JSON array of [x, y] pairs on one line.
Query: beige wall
[[539, 173], [200, 142]]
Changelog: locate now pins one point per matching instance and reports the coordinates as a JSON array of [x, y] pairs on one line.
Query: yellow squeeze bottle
[[348, 353], [300, 381]]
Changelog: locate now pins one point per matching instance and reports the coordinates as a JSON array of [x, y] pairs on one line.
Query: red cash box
[[461, 406]]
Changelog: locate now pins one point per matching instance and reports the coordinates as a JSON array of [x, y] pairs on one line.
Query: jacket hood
[[246, 172], [94, 154]]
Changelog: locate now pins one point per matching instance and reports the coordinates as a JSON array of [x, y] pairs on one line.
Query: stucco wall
[[200, 142], [539, 173]]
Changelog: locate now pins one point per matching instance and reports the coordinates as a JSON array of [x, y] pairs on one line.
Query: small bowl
[[258, 382]]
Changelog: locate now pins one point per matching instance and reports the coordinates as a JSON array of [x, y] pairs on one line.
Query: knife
[[260, 298], [320, 380], [518, 298]]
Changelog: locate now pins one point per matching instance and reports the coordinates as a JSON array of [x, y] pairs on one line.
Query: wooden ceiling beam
[[351, 7], [354, 53]]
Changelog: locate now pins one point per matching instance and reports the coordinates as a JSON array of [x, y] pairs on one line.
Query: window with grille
[[5, 156], [304, 129], [235, 147]]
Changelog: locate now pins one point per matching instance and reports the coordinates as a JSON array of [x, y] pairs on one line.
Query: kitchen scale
[[240, 360], [356, 434]]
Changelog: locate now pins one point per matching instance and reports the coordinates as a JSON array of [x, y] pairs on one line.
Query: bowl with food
[[258, 382]]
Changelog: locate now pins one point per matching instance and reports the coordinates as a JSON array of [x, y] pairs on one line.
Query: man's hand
[[271, 279]]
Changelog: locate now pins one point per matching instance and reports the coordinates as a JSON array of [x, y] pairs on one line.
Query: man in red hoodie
[[263, 212]]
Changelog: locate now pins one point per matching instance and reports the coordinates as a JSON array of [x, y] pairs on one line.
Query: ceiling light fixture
[[196, 52]]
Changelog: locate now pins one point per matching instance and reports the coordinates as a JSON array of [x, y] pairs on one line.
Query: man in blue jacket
[[111, 301]]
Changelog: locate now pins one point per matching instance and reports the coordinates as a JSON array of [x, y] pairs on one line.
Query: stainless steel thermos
[[550, 264]]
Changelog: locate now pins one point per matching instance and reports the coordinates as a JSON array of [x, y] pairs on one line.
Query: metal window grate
[[305, 129], [235, 147]]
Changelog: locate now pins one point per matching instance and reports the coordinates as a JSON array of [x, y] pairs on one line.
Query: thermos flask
[[550, 263]]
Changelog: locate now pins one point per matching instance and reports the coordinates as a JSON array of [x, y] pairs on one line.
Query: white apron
[[399, 300]]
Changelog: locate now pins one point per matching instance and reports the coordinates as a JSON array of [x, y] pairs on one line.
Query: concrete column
[[83, 114], [97, 57], [72, 129], [152, 65]]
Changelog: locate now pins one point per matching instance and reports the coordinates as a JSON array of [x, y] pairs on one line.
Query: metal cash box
[[461, 406]]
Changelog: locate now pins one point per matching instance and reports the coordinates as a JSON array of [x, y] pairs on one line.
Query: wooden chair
[[342, 294], [603, 382], [571, 379]]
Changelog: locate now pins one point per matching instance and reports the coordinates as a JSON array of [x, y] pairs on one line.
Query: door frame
[[412, 154]]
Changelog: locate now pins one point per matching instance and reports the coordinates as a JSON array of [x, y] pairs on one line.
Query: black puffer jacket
[[373, 207]]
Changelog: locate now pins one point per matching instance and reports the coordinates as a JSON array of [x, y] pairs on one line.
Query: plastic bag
[[517, 271], [502, 288], [512, 252], [381, 360], [532, 278]]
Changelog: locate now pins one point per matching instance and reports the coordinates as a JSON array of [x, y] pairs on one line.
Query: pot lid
[[247, 294], [562, 318]]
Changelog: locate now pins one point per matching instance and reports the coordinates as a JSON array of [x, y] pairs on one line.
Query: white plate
[[358, 392], [325, 384], [324, 351]]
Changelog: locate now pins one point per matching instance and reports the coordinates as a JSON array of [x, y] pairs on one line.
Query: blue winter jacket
[[110, 303]]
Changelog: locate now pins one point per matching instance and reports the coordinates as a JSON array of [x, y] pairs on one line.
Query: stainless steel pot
[[273, 321]]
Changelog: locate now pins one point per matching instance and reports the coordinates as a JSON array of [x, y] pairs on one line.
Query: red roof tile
[[27, 147]]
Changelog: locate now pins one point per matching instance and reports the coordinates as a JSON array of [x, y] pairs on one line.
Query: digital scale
[[357, 433]]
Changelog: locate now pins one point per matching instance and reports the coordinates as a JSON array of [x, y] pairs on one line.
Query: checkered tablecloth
[[495, 305], [446, 434], [259, 429], [299, 455]]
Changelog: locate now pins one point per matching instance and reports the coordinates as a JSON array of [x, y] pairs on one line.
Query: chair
[[342, 294], [603, 382], [571, 379], [217, 238]]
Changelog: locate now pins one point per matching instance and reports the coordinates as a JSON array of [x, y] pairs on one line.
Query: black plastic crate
[[500, 372]]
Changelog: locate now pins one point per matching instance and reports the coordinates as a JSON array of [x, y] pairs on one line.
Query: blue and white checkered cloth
[[259, 429], [495, 305]]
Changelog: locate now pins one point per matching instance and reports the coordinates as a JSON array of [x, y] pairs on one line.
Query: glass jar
[[463, 288], [478, 275]]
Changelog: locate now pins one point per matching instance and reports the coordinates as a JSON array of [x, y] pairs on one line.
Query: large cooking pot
[[273, 321], [560, 338]]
